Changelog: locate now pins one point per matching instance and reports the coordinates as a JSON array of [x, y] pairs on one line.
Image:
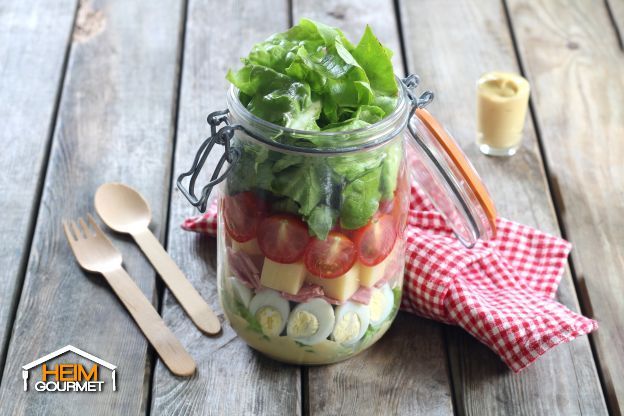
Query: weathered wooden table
[[117, 90]]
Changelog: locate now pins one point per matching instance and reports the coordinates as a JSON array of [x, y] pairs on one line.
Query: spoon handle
[[195, 306], [170, 350]]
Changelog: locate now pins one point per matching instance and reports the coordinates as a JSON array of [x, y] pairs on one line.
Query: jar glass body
[[311, 246]]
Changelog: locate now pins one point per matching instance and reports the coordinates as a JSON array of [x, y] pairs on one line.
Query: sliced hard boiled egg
[[380, 305], [351, 323], [240, 291], [311, 322], [271, 310]]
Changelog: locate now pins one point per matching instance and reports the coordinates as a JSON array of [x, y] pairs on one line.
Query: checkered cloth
[[501, 291]]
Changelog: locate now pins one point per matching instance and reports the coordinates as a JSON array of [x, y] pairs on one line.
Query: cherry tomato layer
[[241, 215], [283, 238], [332, 257], [375, 240]]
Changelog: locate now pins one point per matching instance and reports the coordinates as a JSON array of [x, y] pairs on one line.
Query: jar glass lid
[[446, 175]]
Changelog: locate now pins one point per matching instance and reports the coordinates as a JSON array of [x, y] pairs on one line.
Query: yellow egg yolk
[[348, 328], [303, 324], [270, 320], [377, 305]]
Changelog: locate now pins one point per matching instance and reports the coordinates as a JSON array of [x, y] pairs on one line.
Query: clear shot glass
[[502, 102]]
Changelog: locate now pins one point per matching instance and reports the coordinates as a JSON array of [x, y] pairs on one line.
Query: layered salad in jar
[[311, 244]]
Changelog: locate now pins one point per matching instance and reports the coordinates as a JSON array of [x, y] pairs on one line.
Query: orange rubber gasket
[[464, 167]]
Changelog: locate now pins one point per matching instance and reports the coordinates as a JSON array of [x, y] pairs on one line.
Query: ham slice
[[307, 292], [333, 301], [362, 295], [244, 268]]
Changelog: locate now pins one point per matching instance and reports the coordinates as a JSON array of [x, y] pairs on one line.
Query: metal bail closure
[[230, 155], [411, 82]]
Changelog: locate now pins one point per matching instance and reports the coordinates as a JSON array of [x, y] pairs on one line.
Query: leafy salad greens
[[312, 78]]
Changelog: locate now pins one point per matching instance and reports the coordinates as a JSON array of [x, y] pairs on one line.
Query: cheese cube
[[250, 247], [340, 288], [369, 275], [283, 277]]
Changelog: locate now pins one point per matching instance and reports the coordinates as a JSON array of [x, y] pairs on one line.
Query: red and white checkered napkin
[[501, 291]]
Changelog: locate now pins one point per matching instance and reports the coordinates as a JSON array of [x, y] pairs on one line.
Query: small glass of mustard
[[502, 101]]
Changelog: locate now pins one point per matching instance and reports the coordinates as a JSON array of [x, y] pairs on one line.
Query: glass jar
[[311, 226]]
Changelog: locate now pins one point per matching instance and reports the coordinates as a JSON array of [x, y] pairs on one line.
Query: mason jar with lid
[[311, 226]]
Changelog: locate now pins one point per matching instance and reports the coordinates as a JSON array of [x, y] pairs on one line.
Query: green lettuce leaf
[[376, 60], [301, 183], [321, 220], [356, 165], [286, 205], [277, 98], [390, 170], [360, 200], [312, 78]]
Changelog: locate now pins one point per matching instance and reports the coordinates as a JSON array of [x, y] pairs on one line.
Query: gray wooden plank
[[231, 379], [405, 372], [33, 45], [450, 45], [617, 11], [115, 123], [571, 49]]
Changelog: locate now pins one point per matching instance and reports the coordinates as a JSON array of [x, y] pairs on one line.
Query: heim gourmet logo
[[69, 377]]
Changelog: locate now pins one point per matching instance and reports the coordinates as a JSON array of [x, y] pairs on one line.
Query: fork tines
[[86, 231]]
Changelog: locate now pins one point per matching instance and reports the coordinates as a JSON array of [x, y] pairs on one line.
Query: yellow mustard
[[502, 101]]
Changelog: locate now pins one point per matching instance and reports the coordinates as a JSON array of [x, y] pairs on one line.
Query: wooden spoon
[[126, 211]]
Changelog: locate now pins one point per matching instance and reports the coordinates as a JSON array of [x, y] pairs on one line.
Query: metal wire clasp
[[411, 82], [230, 155]]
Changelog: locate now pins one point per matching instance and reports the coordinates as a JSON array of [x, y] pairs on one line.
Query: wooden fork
[[95, 253]]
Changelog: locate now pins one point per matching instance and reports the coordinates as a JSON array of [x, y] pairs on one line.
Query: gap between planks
[[159, 288]]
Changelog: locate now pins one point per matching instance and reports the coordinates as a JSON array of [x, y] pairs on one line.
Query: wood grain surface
[[33, 48], [231, 378], [114, 124], [93, 91], [450, 45], [616, 8], [572, 49], [406, 372]]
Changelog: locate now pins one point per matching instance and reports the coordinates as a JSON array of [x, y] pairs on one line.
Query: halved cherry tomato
[[348, 233], [241, 215], [332, 257], [283, 238], [375, 240]]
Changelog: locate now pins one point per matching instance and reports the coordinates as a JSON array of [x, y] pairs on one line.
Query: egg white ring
[[270, 297], [363, 313], [325, 316], [240, 291], [389, 296]]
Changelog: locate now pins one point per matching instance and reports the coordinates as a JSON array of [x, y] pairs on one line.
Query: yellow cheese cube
[[369, 275], [283, 277], [250, 247], [342, 287]]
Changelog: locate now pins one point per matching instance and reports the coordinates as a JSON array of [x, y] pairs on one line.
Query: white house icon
[[84, 354]]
